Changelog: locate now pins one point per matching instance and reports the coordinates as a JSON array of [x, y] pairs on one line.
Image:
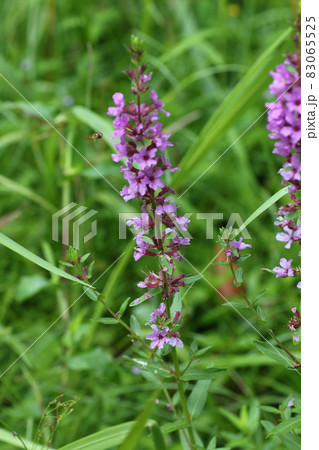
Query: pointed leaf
[[204, 374], [198, 397], [102, 440], [136, 327], [286, 426], [14, 246]]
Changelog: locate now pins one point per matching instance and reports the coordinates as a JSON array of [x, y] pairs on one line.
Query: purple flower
[[289, 236], [160, 312], [145, 158], [175, 341], [239, 245], [285, 270], [291, 402], [158, 337]]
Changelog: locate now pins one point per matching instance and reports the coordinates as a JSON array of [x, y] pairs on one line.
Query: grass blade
[[101, 440], [17, 248], [231, 109]]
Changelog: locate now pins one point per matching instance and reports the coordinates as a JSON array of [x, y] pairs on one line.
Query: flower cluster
[[234, 247], [142, 145], [231, 245], [295, 323], [162, 334], [159, 230], [163, 280], [284, 123]]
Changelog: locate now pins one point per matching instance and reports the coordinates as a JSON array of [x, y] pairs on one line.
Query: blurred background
[[65, 60]]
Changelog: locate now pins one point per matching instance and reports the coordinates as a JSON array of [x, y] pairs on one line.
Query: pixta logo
[[64, 219]]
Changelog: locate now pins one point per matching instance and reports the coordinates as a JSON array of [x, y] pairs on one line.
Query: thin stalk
[[270, 332], [121, 322], [187, 416]]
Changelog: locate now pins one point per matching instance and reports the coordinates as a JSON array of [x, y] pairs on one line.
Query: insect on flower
[[95, 136]]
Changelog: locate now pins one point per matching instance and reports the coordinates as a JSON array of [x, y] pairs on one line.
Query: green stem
[[129, 329], [187, 416], [180, 387], [270, 332]]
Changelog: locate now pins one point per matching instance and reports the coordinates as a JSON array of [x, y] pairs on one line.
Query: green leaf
[[26, 192], [150, 366], [124, 306], [270, 409], [236, 305], [204, 374], [90, 269], [239, 276], [30, 285], [158, 438], [102, 440], [286, 426], [212, 444], [176, 304], [198, 397], [164, 263], [267, 204], [84, 257], [261, 314], [14, 246], [175, 426], [9, 438], [143, 299], [193, 348], [133, 437], [192, 279], [274, 353], [254, 81], [243, 258], [107, 320], [91, 293], [148, 240], [134, 324], [255, 299], [67, 264], [202, 351]]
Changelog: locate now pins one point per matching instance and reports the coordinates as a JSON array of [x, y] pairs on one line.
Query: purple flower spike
[[284, 124], [140, 146]]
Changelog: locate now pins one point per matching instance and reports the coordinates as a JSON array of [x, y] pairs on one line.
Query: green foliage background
[[67, 59]]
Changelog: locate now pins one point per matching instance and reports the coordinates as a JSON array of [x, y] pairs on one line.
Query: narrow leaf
[[253, 82], [124, 306], [102, 440], [134, 323], [14, 246], [133, 437], [158, 438], [236, 305], [206, 374], [198, 397], [274, 353], [286, 426], [93, 295], [192, 279], [107, 320]]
